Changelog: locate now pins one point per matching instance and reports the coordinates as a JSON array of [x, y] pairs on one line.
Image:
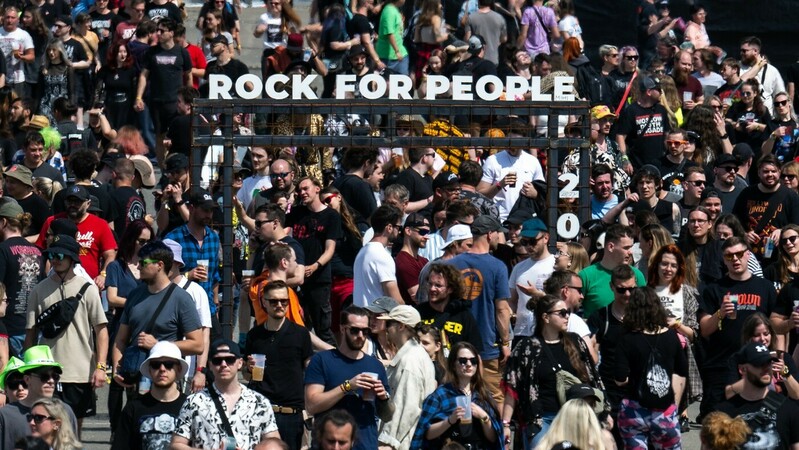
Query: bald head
[[282, 174]]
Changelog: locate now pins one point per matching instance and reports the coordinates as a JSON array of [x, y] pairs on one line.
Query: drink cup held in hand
[[512, 182], [202, 264], [369, 394], [687, 96], [796, 307], [733, 298], [258, 368], [769, 248], [465, 402], [247, 273]]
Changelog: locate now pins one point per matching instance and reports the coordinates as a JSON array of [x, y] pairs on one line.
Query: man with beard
[[33, 158], [527, 277], [727, 182], [333, 379], [773, 419], [724, 307], [149, 420], [357, 57], [200, 242], [410, 264], [19, 186], [768, 206], [446, 188], [82, 343], [375, 273], [99, 247], [446, 311], [643, 126], [459, 240], [596, 278], [687, 83], [19, 116], [359, 164], [755, 65], [281, 174], [317, 227]]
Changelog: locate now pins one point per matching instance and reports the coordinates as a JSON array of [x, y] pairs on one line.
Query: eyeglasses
[[734, 255], [659, 72], [614, 55], [631, 57], [354, 331], [329, 199], [782, 103], [527, 242], [47, 376], [716, 107], [788, 176], [38, 418], [275, 301], [791, 239], [279, 175], [464, 361], [218, 360], [397, 226], [430, 154], [16, 384], [260, 223], [564, 313], [58, 256], [579, 289], [142, 241], [747, 93], [422, 231], [697, 183], [729, 168], [676, 142], [144, 262], [168, 365], [624, 290]]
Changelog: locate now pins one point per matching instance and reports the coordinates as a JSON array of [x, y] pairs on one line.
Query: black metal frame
[[208, 111]]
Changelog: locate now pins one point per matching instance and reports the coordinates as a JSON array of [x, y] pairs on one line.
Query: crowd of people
[[394, 298]]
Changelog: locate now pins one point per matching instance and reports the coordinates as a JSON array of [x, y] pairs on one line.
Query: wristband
[[724, 136], [102, 273], [102, 366]]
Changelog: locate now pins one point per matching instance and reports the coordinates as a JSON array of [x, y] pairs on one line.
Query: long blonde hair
[[64, 438], [577, 423]]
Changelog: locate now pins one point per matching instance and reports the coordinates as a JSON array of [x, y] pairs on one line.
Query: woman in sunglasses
[[789, 175], [750, 117], [652, 366], [530, 375], [442, 418], [49, 420], [786, 268]]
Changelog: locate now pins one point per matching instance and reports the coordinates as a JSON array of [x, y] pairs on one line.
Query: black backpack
[[655, 382]]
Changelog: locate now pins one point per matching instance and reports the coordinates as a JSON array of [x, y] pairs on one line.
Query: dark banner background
[[775, 22]]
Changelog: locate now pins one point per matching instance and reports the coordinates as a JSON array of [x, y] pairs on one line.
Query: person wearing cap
[[377, 343], [757, 202], [470, 174], [491, 25], [511, 173], [416, 179], [19, 186], [41, 373], [249, 413], [259, 180], [20, 270], [359, 25], [280, 339], [82, 164], [411, 377], [374, 270], [459, 240], [126, 198], [711, 201], [410, 264], [149, 420], [359, 163], [33, 158], [337, 378], [643, 126], [21, 51], [446, 187], [200, 242], [475, 65], [528, 276], [389, 46], [771, 417], [486, 281], [97, 241], [647, 184], [225, 62], [726, 180], [158, 72], [75, 346]]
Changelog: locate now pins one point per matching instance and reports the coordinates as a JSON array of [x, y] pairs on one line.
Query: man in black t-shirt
[[773, 418], [127, 200], [287, 347], [82, 164], [359, 25], [80, 64], [158, 10], [644, 125], [19, 186], [359, 164], [149, 420], [224, 64], [674, 163], [475, 65], [417, 181]]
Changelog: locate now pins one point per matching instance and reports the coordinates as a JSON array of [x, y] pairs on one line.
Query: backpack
[[655, 382]]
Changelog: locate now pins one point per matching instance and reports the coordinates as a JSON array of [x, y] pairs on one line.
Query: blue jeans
[[15, 344], [396, 65], [530, 444]]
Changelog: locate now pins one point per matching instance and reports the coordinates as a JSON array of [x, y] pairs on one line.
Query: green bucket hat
[[38, 356], [13, 365]]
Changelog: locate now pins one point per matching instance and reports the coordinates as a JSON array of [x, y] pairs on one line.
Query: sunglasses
[[279, 175], [464, 361], [564, 313], [422, 231], [144, 262], [229, 360], [788, 176], [579, 289], [697, 183], [735, 255], [716, 107], [275, 301], [354, 331], [38, 418], [624, 290], [791, 239], [729, 168], [631, 57], [329, 199], [142, 241], [54, 256], [747, 94], [676, 142], [260, 223], [782, 103], [168, 365], [47, 376], [13, 385], [614, 55]]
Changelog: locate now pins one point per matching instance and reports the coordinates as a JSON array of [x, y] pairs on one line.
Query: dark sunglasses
[[631, 57], [47, 376], [38, 418], [229, 360], [13, 385], [464, 361], [168, 365], [735, 255], [275, 301], [354, 331], [729, 168], [58, 256], [791, 239], [142, 241], [697, 183], [576, 288], [788, 176], [560, 312], [747, 94], [782, 103], [422, 231], [624, 290], [279, 175], [260, 223]]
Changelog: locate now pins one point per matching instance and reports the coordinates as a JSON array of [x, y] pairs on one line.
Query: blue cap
[[531, 228]]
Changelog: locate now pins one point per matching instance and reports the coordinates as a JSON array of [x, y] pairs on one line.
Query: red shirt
[[197, 61], [94, 237], [408, 269]]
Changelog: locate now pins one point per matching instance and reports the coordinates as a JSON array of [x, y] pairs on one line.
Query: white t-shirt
[[273, 36], [9, 41], [200, 298], [527, 168], [672, 302], [524, 273], [570, 25], [771, 83], [373, 266], [250, 186], [578, 326]]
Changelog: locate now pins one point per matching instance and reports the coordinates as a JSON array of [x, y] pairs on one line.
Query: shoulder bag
[[230, 438], [134, 356], [546, 28], [56, 319], [563, 378]]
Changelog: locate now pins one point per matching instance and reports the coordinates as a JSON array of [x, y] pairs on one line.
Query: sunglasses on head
[[38, 418], [791, 239], [734, 255], [229, 360], [464, 361], [168, 365], [354, 331], [275, 301], [560, 312]]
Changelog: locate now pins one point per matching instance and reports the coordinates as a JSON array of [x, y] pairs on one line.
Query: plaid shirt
[[439, 405], [192, 252]]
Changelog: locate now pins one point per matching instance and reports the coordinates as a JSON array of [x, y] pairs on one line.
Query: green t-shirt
[[597, 292], [390, 23]]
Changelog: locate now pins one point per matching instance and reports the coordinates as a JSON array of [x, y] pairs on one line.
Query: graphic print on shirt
[[655, 127], [135, 210], [156, 431], [755, 210], [86, 241], [472, 281], [166, 60], [28, 275], [764, 430]]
